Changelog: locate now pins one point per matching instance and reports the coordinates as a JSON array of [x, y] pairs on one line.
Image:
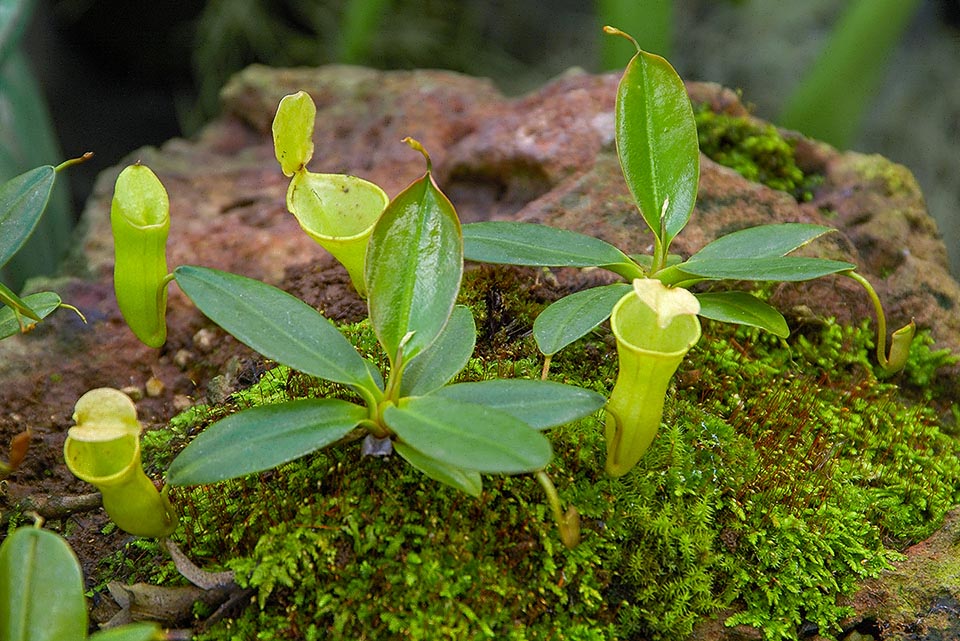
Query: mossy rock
[[784, 475]]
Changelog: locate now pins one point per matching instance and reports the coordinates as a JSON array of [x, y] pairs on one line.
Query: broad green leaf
[[744, 309], [466, 480], [42, 304], [141, 631], [293, 132], [468, 436], [263, 437], [539, 404], [514, 243], [280, 326], [413, 268], [763, 241], [574, 316], [22, 201], [657, 143], [41, 588], [436, 365], [780, 268]]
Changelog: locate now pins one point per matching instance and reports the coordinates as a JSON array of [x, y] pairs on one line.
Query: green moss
[[784, 473], [757, 152]]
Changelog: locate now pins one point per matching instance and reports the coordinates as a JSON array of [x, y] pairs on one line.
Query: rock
[[920, 597]]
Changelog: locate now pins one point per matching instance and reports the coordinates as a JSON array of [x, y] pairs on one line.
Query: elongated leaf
[[539, 404], [263, 437], [41, 588], [279, 326], [141, 631], [42, 304], [744, 309], [465, 480], [514, 243], [467, 435], [763, 241], [572, 317], [657, 143], [782, 268], [413, 268], [436, 365], [22, 201]]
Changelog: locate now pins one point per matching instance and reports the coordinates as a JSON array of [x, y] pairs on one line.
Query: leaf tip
[[613, 31], [413, 143]]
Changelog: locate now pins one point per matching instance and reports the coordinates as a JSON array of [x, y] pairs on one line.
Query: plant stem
[[568, 522]]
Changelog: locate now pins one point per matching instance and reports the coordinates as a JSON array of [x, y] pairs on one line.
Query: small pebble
[[182, 402], [135, 393], [182, 358], [155, 387], [203, 340]]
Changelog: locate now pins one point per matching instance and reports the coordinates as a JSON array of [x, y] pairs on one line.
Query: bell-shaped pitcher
[[103, 449], [338, 212], [654, 326]]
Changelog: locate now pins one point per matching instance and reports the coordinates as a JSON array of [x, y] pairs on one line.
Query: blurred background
[[117, 75]]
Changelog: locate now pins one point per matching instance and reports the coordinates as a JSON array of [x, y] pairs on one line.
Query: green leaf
[[9, 298], [782, 268], [42, 304], [293, 132], [413, 268], [539, 404], [657, 143], [141, 631], [514, 243], [468, 436], [763, 241], [41, 588], [280, 326], [436, 365], [263, 437], [744, 309], [466, 480], [22, 201], [573, 316]]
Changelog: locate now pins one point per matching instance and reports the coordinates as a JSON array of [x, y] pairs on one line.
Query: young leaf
[[293, 132], [413, 268], [468, 436], [263, 437], [780, 268], [444, 358], [514, 243], [42, 304], [41, 588], [465, 480], [22, 201], [763, 241], [657, 143], [539, 404], [280, 326], [744, 309], [573, 316]]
